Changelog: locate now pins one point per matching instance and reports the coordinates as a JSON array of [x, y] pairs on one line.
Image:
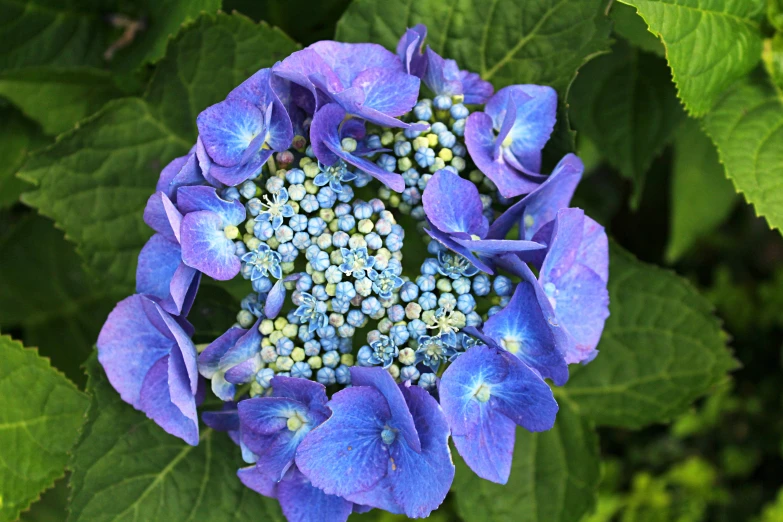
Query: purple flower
[[180, 172], [240, 133], [540, 206], [151, 361], [327, 132], [453, 207], [521, 329], [272, 428], [207, 231], [231, 359], [485, 393], [365, 79], [505, 141], [384, 446], [442, 76]]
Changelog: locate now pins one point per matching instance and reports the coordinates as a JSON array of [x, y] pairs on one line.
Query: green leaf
[[747, 127], [709, 44], [127, 468], [39, 421], [77, 33], [56, 305], [773, 60], [626, 104], [18, 136], [506, 41], [95, 181], [701, 196], [57, 98], [554, 477], [661, 349], [631, 26]]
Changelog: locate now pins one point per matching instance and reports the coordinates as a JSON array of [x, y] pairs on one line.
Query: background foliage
[[678, 108]]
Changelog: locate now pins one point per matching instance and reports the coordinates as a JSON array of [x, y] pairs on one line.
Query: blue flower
[[484, 394], [272, 428], [276, 209], [334, 176], [365, 80], [433, 351], [384, 351], [238, 135], [454, 265], [456, 214], [356, 262], [386, 282], [384, 446], [264, 261], [207, 231], [311, 312], [505, 141], [443, 77]]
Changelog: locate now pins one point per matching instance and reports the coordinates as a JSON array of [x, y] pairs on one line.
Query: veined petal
[[156, 402], [193, 199], [205, 246], [453, 204], [227, 129], [303, 502], [410, 50]]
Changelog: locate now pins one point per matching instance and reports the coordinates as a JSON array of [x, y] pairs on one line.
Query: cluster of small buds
[[417, 155], [347, 253]]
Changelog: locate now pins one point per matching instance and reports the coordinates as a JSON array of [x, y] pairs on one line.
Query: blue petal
[[442, 75], [156, 402], [258, 480], [245, 347], [409, 50], [227, 129], [302, 502], [310, 393], [162, 216], [453, 204], [420, 481], [521, 328], [382, 381], [209, 359], [193, 199], [489, 449], [205, 246], [540, 206], [346, 454]]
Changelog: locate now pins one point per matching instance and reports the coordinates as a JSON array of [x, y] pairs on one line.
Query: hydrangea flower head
[[349, 366]]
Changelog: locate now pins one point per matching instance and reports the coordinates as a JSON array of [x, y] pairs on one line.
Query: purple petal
[[302, 502], [227, 129], [310, 393], [209, 359], [564, 245], [277, 124], [382, 381], [480, 140], [391, 92], [541, 206], [453, 204], [475, 90], [156, 402], [205, 246], [594, 250], [162, 216], [226, 420], [188, 175], [243, 372], [420, 481], [498, 246], [409, 50], [442, 76], [489, 449], [193, 199], [169, 172], [349, 60], [131, 341], [161, 273], [244, 348], [536, 111], [274, 300], [240, 173], [325, 129], [524, 397], [346, 454], [259, 481], [520, 328]]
